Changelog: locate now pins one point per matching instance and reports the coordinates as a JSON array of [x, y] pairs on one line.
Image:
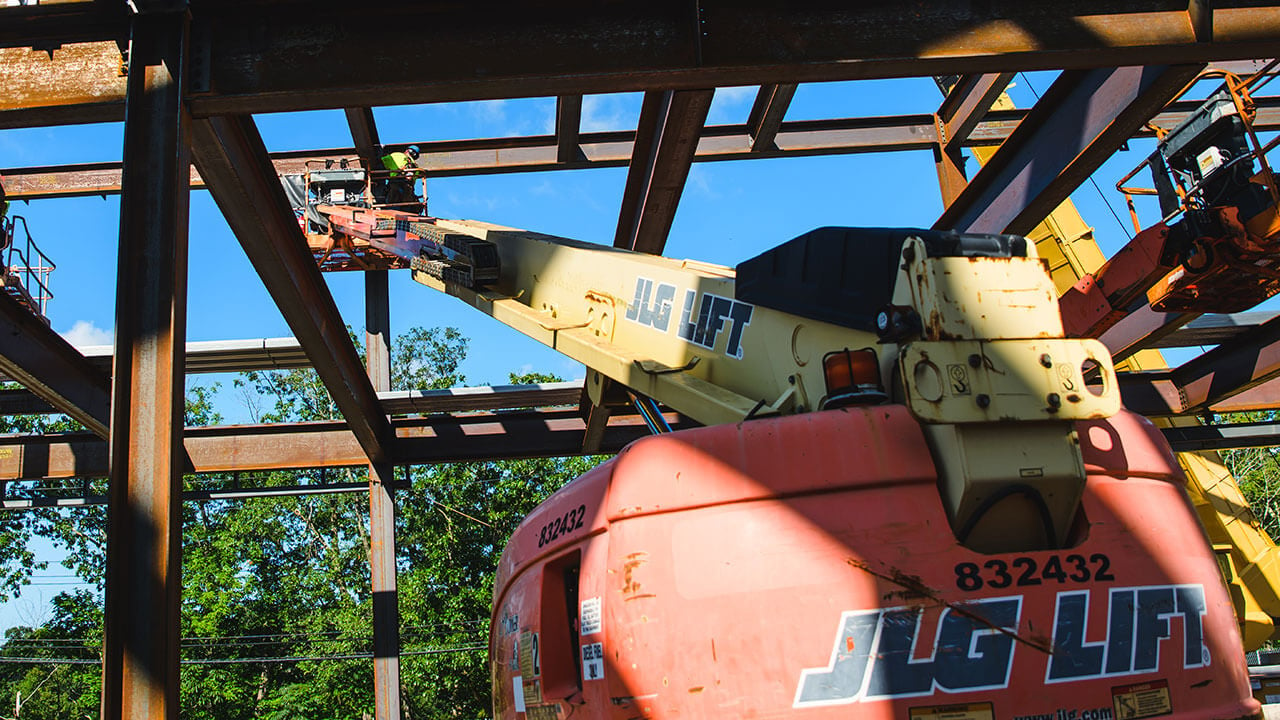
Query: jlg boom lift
[[914, 497]]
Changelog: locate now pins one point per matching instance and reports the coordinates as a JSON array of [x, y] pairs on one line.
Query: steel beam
[[767, 112], [396, 402], [579, 47], [206, 495], [233, 160], [1213, 329], [364, 132], [50, 25], [568, 128], [286, 446], [967, 102], [1199, 438], [77, 83], [382, 512], [667, 137], [574, 48], [1142, 328], [614, 149], [53, 370], [1082, 119], [468, 399], [1244, 362], [144, 523]]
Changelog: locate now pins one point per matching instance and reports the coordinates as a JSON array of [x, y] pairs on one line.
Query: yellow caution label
[[532, 692], [1143, 700], [529, 665], [972, 711], [543, 712]]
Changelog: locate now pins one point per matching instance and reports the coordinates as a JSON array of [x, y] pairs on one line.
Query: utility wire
[[254, 660], [1123, 228]]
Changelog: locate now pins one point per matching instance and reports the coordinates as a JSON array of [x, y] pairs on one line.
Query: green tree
[[276, 604]]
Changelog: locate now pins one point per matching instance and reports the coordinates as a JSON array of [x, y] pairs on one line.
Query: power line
[[255, 660], [1123, 228]]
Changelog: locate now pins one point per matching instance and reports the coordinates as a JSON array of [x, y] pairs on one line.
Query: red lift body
[[803, 567]]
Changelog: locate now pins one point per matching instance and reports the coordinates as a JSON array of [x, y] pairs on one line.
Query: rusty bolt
[[1045, 360], [975, 360], [1055, 402], [984, 401]]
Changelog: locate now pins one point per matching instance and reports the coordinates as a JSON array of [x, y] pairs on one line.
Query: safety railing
[[25, 261], [1189, 188]]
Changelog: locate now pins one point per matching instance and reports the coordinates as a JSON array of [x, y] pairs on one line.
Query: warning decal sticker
[[593, 661], [1143, 700], [972, 711], [518, 686], [591, 620]]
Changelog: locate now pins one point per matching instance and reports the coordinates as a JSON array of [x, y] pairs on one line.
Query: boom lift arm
[[965, 326]]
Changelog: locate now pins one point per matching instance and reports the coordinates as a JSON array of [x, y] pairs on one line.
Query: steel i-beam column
[[144, 527], [382, 512]]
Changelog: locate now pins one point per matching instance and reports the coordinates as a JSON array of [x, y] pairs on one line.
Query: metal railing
[[1189, 190], [27, 264]]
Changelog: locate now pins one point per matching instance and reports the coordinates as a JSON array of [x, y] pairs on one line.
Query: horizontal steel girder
[[574, 46], [284, 446], [1246, 361], [612, 149]]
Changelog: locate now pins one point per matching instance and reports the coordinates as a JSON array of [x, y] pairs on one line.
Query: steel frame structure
[[186, 78]]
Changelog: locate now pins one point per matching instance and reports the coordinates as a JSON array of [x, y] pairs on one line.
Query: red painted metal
[[799, 566]]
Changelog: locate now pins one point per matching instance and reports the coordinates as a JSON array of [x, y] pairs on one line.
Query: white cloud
[[605, 112], [85, 333], [730, 105], [493, 112], [699, 180]]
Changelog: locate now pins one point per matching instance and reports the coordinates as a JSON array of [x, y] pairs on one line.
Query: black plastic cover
[[844, 276]]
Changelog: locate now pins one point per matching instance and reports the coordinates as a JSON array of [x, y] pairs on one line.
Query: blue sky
[[729, 212]]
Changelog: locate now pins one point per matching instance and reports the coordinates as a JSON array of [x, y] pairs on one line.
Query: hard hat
[[412, 151]]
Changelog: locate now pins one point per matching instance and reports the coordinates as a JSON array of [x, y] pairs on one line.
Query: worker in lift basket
[[403, 172]]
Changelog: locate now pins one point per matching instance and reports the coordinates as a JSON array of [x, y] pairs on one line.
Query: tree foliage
[[276, 601]]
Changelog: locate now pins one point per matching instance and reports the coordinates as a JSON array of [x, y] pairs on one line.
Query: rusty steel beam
[[584, 47], [144, 522], [767, 112], [541, 153], [670, 124], [77, 83], [1243, 362], [1083, 118], [51, 369], [1199, 438], [233, 160], [967, 102], [52, 24], [534, 153], [1142, 328], [364, 133], [382, 512], [400, 402], [568, 128], [252, 67], [287, 446]]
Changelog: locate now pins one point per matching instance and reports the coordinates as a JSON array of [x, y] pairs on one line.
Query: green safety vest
[[396, 162]]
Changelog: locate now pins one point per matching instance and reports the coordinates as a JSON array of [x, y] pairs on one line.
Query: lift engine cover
[[803, 567]]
